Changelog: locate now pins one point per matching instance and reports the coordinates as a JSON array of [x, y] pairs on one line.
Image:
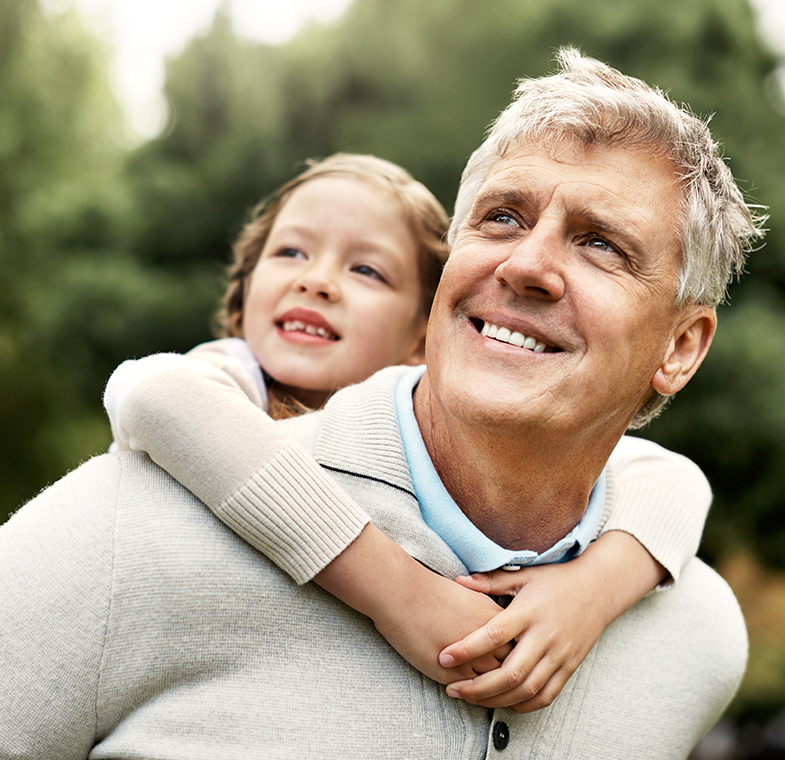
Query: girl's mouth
[[296, 325]]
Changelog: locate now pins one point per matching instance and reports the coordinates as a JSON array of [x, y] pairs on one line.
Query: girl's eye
[[289, 253], [368, 271]]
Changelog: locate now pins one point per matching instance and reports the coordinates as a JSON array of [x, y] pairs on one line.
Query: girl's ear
[[417, 355], [687, 349]]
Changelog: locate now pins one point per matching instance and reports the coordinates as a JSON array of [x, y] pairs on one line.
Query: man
[[142, 628]]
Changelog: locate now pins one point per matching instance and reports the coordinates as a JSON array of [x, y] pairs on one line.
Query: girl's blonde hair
[[425, 218]]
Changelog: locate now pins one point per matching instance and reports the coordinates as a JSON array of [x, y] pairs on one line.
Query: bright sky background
[[145, 32]]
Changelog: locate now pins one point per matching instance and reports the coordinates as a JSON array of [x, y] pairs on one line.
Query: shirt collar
[[445, 517]]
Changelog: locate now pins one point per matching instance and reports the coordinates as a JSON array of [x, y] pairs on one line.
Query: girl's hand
[[416, 610], [420, 624], [556, 615]]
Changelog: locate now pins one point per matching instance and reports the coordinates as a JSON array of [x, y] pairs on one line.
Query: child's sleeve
[[233, 357], [662, 499], [230, 355], [196, 422]]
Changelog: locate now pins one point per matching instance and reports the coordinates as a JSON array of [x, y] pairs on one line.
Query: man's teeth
[[295, 325], [505, 335]]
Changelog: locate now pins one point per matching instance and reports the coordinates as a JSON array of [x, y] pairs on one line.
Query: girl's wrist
[[373, 575]]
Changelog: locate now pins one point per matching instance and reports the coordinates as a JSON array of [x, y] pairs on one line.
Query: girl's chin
[[310, 394]]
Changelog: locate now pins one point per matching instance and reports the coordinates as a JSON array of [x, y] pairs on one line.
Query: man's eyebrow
[[625, 234], [504, 196]]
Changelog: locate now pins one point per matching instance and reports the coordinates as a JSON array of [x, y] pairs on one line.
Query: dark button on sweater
[[501, 735]]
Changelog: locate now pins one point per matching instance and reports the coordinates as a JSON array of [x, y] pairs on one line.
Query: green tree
[[57, 149], [74, 301], [108, 252], [417, 83]]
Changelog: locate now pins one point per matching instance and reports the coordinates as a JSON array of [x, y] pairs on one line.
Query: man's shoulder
[[95, 479], [105, 481], [67, 530], [657, 679], [354, 408]]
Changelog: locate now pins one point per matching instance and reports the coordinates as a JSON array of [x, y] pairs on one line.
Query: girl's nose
[[319, 282]]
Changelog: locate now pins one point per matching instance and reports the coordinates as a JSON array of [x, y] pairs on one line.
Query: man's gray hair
[[588, 101]]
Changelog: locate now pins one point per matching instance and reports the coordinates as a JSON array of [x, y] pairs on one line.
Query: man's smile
[[513, 337]]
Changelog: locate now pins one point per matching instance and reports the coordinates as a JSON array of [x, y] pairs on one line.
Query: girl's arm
[[196, 422], [662, 499]]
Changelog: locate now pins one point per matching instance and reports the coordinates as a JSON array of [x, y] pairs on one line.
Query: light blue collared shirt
[[446, 519]]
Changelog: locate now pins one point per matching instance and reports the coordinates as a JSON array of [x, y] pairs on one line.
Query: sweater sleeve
[[197, 423], [662, 499]]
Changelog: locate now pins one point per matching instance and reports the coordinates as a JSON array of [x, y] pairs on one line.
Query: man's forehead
[[605, 175], [631, 196]]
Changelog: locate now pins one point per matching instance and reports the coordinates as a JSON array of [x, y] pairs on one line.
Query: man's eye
[[600, 244], [368, 271], [502, 217]]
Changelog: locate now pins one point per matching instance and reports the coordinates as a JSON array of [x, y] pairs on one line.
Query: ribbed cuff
[[654, 516], [293, 513]]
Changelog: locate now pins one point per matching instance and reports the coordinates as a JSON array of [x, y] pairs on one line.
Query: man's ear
[[687, 349]]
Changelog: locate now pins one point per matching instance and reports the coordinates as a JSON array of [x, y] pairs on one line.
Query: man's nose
[[319, 280], [535, 266]]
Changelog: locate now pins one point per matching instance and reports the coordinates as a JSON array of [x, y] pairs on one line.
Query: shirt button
[[501, 735]]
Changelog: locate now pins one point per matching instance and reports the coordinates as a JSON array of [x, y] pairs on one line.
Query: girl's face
[[336, 293]]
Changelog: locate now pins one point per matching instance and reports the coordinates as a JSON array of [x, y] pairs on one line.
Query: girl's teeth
[[295, 325]]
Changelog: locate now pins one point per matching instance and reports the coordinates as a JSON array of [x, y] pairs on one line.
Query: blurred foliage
[[109, 252], [59, 197]]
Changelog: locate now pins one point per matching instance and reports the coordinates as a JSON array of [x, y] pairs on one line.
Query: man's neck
[[524, 491]]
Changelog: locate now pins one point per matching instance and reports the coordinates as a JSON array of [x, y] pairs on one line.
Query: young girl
[[332, 281]]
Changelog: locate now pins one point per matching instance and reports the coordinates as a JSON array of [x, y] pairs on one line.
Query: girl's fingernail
[[453, 693], [446, 660]]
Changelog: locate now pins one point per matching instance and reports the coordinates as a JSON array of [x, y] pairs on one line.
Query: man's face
[[557, 304]]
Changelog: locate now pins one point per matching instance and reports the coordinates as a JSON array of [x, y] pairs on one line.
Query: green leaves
[[109, 252]]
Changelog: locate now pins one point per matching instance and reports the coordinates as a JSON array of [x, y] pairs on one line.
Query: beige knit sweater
[[135, 625], [195, 419]]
